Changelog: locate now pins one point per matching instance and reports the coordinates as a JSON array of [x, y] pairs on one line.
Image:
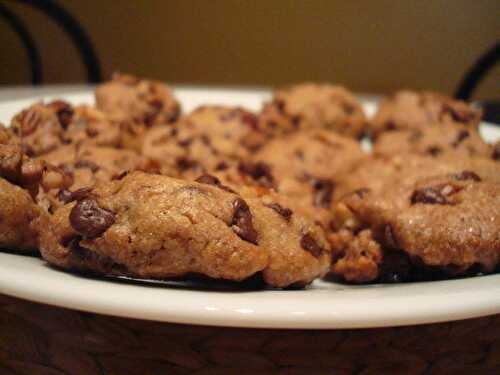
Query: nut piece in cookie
[[128, 98], [415, 110], [153, 226], [312, 105]]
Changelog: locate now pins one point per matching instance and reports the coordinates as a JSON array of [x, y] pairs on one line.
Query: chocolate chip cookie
[[311, 105], [153, 226], [377, 172], [20, 179], [415, 110], [305, 165], [445, 139], [434, 227], [89, 165], [128, 98], [205, 138]]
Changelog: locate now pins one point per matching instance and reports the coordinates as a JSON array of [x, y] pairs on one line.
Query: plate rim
[[326, 315]]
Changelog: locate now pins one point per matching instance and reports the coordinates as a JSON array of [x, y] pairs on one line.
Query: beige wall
[[371, 46]]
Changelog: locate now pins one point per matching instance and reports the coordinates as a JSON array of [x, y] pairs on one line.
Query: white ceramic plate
[[324, 305]]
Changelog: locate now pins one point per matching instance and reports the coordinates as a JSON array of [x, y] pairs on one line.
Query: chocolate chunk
[[87, 164], [309, 244], [434, 195], [64, 112], [260, 172], [462, 134], [283, 211], [322, 192], [90, 220], [242, 222], [466, 175], [212, 180]]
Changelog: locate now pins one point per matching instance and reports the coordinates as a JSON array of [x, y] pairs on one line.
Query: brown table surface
[[46, 340]]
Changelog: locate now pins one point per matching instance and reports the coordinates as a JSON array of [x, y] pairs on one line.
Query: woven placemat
[[39, 339]]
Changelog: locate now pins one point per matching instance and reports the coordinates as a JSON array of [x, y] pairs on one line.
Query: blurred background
[[371, 47]]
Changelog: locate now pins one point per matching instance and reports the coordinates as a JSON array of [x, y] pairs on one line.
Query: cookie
[[44, 127], [128, 98], [446, 139], [204, 138], [153, 226], [434, 227], [317, 106], [89, 165], [377, 172], [415, 110], [20, 180]]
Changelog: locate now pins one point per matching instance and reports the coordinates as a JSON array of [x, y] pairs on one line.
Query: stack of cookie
[[132, 187]]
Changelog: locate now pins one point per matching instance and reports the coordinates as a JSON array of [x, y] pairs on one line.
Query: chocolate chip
[[242, 222], [259, 171], [390, 125], [389, 237], [280, 105], [496, 151], [221, 166], [90, 220], [87, 164], [466, 175], [249, 119], [120, 175], [415, 136], [29, 120], [64, 196], [156, 107], [64, 112], [283, 211], [348, 108], [434, 195], [184, 163], [67, 196], [185, 142], [309, 244], [206, 140], [208, 179], [462, 134], [322, 192], [459, 112], [434, 150], [295, 120], [361, 192]]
